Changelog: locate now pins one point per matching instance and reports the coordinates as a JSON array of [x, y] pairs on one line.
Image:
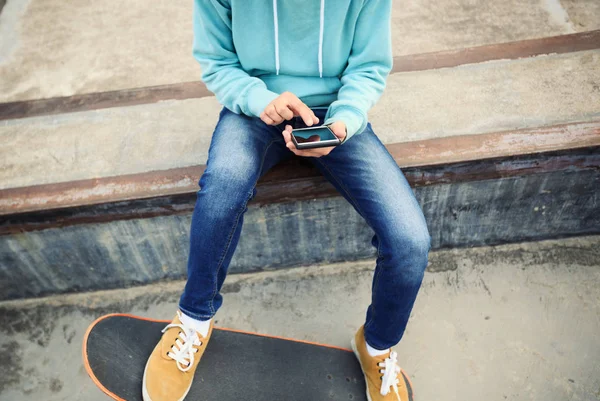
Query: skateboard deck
[[236, 365]]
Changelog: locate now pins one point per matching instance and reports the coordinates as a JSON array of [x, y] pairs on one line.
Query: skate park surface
[[494, 320], [511, 322]]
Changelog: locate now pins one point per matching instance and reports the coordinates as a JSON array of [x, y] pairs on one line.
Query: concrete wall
[[459, 214]]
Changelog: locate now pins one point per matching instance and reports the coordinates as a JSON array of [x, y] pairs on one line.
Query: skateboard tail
[[86, 363]]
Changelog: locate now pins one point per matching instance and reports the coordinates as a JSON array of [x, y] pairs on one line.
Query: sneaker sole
[[406, 379], [146, 396]]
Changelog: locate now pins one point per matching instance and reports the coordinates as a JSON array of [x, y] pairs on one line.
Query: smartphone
[[314, 137]]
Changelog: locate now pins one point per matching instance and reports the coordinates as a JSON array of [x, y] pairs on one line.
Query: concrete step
[[467, 99], [123, 231], [92, 47], [517, 322]]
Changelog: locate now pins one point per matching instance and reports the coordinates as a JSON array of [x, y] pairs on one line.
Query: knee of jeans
[[414, 240], [421, 240], [410, 251], [226, 188]]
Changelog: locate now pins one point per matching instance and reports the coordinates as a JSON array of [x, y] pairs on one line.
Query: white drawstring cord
[[276, 23], [321, 38], [321, 30]]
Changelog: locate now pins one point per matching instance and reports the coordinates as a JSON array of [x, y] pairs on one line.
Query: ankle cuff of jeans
[[197, 316]]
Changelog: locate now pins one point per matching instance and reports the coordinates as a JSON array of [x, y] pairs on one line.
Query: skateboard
[[235, 366]]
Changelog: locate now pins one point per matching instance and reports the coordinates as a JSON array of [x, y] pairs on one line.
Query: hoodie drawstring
[[276, 24], [321, 38], [322, 28]]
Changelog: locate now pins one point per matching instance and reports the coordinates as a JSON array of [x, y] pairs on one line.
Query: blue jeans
[[242, 150]]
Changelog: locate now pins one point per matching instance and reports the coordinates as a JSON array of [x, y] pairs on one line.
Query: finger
[[287, 134], [288, 129], [324, 151], [290, 145], [266, 119], [303, 111], [339, 130], [317, 152], [321, 152], [284, 111], [273, 114]]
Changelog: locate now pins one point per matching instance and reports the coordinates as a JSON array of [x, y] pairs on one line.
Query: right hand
[[285, 107]]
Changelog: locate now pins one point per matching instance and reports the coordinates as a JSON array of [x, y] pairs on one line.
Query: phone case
[[313, 145]]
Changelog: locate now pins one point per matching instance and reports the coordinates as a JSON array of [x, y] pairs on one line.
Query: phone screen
[[316, 134]]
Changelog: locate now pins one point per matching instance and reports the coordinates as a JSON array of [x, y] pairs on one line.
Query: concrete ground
[[515, 322]]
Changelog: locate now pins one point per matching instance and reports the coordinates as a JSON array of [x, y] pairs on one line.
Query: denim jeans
[[242, 150]]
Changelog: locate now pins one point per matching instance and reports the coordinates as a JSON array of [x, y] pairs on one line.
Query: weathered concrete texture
[[488, 97], [106, 142], [59, 48], [140, 251], [516, 322], [583, 14], [428, 25], [469, 99], [54, 48]]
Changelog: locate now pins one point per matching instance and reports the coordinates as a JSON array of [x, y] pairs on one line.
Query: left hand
[[338, 128]]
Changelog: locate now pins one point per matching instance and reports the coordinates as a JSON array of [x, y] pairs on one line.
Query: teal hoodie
[[329, 53]]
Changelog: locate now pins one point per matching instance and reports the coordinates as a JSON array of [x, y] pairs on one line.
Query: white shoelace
[[390, 374], [183, 350]]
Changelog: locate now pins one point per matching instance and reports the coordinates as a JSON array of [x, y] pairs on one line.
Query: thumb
[[339, 129]]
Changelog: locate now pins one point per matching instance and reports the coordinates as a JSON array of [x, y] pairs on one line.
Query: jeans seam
[[237, 219], [376, 279]]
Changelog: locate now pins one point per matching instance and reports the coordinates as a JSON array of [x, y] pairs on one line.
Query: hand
[[338, 128], [285, 107]]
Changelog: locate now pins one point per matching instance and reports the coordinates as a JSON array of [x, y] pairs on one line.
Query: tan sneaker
[[170, 369], [385, 380]]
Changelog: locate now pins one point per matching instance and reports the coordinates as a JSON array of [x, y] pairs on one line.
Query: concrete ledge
[[450, 102], [472, 203], [295, 180], [414, 62]]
